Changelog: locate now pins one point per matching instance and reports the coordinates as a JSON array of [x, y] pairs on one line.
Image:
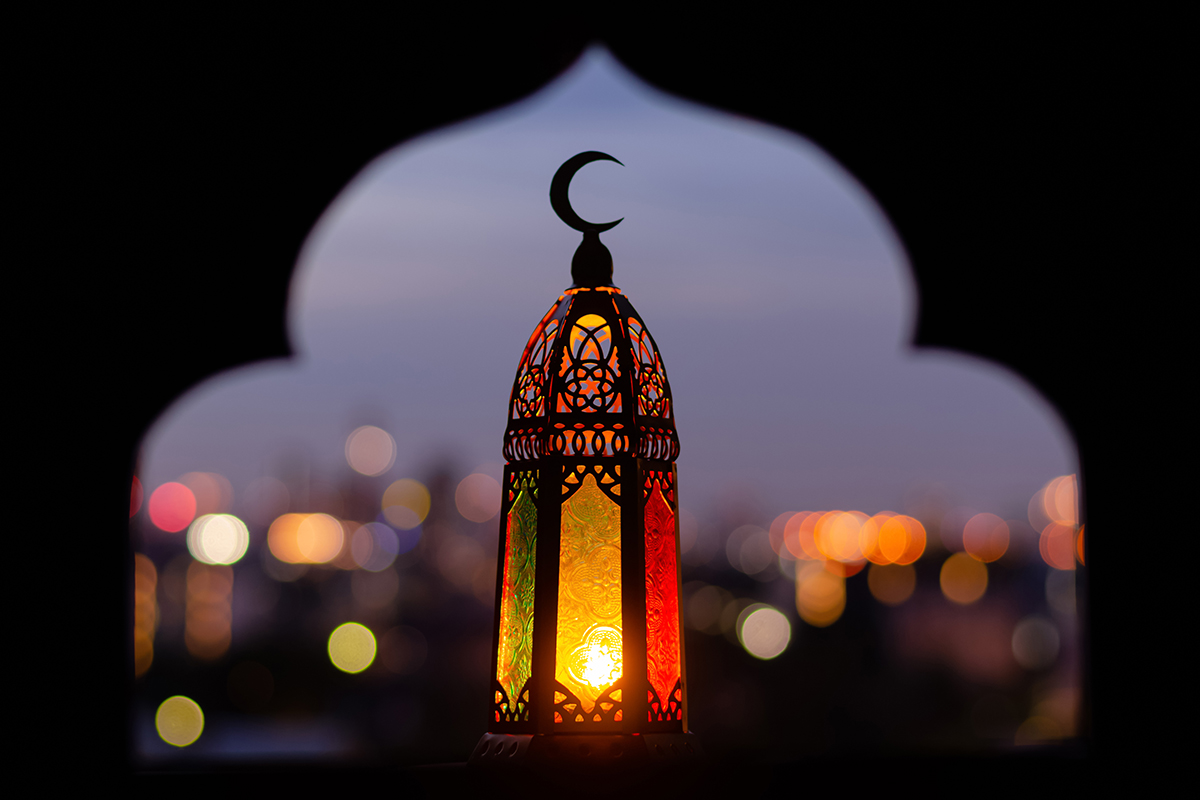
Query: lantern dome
[[591, 382]]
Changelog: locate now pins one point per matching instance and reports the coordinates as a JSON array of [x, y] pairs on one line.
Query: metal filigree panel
[[590, 370], [533, 375]]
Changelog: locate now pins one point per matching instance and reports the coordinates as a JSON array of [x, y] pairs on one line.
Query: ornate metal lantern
[[587, 654]]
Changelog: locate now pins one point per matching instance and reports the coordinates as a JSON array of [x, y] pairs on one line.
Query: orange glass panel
[[514, 659], [588, 641], [662, 596]]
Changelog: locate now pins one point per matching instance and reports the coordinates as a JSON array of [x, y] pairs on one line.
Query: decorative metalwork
[[589, 371], [649, 374], [529, 390], [670, 711], [505, 709], [569, 710]]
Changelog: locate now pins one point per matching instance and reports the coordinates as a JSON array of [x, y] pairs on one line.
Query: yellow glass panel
[[588, 644]]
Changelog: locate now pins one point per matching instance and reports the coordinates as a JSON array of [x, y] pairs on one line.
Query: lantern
[[587, 653]]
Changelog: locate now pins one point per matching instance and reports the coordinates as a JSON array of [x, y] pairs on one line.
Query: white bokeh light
[[218, 539], [763, 631]]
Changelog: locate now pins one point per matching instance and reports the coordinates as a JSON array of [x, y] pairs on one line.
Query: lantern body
[[588, 632]]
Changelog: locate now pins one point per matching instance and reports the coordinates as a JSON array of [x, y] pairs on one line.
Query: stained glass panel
[[662, 599], [588, 644], [514, 660]]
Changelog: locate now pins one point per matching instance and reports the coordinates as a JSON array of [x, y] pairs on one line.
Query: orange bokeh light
[[1079, 545], [305, 538], [798, 535], [281, 538], [1059, 500], [172, 507], [207, 626], [985, 537], [820, 595], [1057, 545], [837, 535], [964, 580], [901, 540], [145, 612], [868, 538]]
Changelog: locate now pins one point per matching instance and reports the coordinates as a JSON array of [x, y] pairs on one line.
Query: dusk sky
[[773, 284]]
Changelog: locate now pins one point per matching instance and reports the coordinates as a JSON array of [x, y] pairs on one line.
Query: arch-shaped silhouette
[[226, 181]]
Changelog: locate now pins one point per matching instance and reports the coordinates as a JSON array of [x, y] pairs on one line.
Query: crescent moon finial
[[561, 203], [592, 264]]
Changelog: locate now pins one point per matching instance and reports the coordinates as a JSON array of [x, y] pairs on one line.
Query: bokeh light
[[1057, 545], [209, 610], [902, 539], [868, 538], [1035, 642], [374, 546], [179, 721], [319, 538], [1060, 500], [820, 595], [985, 537], [763, 631], [478, 497], [305, 538], [406, 503], [798, 535], [837, 535], [172, 507], [370, 451], [892, 584], [352, 647], [281, 538], [964, 580], [145, 612], [1079, 544], [218, 539]]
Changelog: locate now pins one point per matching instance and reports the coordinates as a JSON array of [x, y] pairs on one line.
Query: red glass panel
[[662, 596]]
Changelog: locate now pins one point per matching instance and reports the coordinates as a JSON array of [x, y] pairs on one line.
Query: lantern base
[[574, 750]]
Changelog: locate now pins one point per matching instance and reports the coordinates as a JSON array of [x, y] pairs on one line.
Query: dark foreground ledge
[[1037, 770]]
